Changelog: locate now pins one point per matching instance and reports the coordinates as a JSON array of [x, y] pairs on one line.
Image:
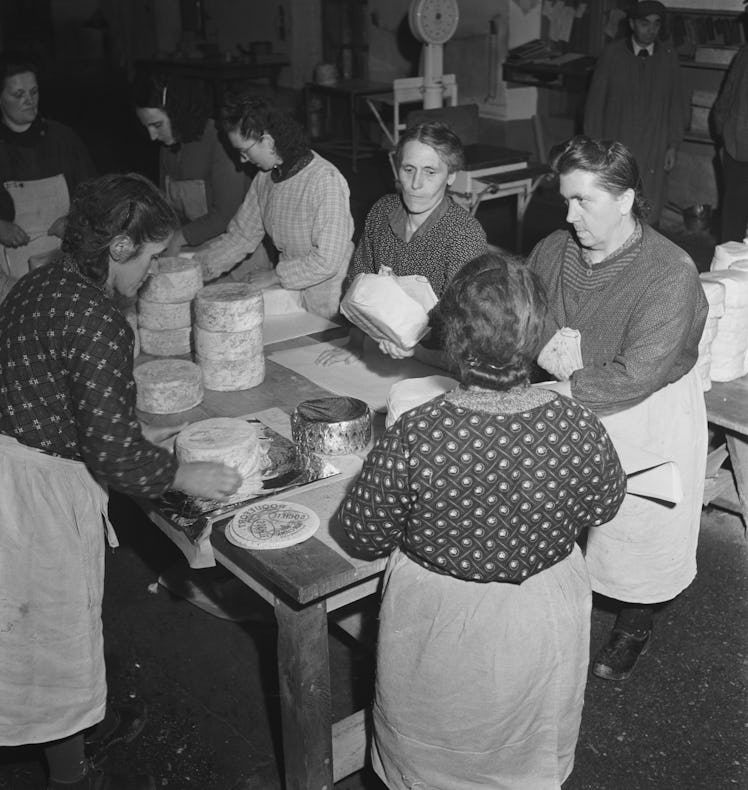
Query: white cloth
[[647, 553], [53, 517], [38, 204], [480, 685]]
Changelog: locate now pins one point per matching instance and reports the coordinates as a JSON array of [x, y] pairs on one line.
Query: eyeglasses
[[244, 152]]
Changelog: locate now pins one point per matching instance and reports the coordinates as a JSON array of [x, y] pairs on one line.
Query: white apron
[[38, 204], [647, 553], [187, 196], [480, 686], [52, 526]]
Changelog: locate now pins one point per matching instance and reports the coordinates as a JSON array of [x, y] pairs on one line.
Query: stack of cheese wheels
[[230, 441], [166, 386], [165, 307], [228, 336]]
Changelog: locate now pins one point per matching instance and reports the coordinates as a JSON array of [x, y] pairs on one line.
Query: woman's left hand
[[264, 279]]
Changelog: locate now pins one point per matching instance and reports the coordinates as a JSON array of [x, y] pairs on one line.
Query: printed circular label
[[271, 525]]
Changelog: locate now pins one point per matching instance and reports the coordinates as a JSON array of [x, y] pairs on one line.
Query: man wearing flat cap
[[636, 97]]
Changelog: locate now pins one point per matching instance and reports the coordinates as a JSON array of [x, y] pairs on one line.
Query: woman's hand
[[58, 227], [393, 350], [12, 235], [175, 245], [207, 480], [264, 279], [344, 355], [162, 435]]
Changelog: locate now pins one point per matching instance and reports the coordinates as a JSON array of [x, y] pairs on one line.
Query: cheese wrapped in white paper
[[167, 386], [386, 311]]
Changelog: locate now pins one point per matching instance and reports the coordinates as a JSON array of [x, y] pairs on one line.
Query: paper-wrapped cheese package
[[390, 308]]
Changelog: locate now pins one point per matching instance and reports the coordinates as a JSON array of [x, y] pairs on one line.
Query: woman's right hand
[[12, 235], [344, 355], [207, 480]]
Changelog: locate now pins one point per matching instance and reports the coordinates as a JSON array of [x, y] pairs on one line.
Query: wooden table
[[304, 584], [727, 408], [351, 92]]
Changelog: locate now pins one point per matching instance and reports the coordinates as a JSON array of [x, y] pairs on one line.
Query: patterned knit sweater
[[448, 239], [485, 496], [640, 312]]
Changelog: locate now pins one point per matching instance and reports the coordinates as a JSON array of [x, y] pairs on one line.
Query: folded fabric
[[390, 308], [727, 253]]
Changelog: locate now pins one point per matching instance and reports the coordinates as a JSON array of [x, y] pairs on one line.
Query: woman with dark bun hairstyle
[[478, 496], [197, 172]]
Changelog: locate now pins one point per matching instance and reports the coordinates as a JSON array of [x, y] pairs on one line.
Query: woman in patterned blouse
[[478, 497], [68, 429], [419, 230]]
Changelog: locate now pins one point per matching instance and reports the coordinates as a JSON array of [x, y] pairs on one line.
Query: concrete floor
[[681, 721]]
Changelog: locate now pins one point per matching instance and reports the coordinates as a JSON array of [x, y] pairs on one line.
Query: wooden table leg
[[306, 712], [737, 446]]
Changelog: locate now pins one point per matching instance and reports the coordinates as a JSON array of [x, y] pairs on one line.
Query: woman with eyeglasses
[[69, 429], [197, 171], [297, 199]]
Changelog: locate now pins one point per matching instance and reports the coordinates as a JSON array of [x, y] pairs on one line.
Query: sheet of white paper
[[285, 327], [368, 379], [649, 475]]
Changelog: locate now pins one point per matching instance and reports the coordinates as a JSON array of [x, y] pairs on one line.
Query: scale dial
[[433, 21]]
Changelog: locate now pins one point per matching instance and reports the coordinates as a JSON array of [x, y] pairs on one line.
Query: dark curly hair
[[252, 116], [491, 317], [440, 137], [110, 206], [14, 63], [186, 101], [612, 162]]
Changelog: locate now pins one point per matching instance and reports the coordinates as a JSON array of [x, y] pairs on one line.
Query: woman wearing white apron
[[199, 176], [41, 162], [637, 303], [480, 494], [68, 428]]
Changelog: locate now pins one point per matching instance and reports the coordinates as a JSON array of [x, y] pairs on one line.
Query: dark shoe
[[94, 779], [122, 724], [617, 659]]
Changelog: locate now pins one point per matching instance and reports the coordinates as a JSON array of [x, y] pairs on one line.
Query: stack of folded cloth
[[715, 295], [728, 253], [729, 348]]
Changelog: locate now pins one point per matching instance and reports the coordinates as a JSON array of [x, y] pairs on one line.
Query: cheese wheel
[[331, 426], [228, 345], [229, 307], [176, 280], [164, 315], [226, 440], [166, 386], [227, 375], [165, 342]]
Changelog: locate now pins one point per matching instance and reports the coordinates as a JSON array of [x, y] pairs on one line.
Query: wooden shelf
[[695, 137], [690, 63]]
